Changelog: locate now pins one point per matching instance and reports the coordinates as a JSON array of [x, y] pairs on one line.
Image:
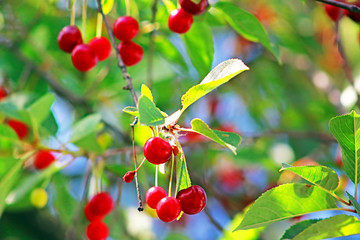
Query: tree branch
[[347, 6], [120, 62]]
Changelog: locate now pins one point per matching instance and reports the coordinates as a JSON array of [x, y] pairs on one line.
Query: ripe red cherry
[[19, 127], [192, 199], [69, 37], [168, 209], [3, 93], [43, 159], [333, 12], [90, 215], [101, 46], [157, 150], [130, 52], [83, 57], [97, 231], [180, 21], [154, 195], [129, 176], [353, 15], [194, 8], [125, 28], [100, 205]]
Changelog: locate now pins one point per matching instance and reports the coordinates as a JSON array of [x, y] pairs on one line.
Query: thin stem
[[188, 184], [347, 6], [127, 7], [121, 65], [156, 175], [137, 169], [340, 199], [346, 209], [151, 43], [99, 25], [171, 175], [84, 8], [212, 220], [72, 16]]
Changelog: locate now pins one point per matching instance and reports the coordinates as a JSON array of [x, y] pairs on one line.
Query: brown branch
[[120, 62], [347, 6], [212, 220]]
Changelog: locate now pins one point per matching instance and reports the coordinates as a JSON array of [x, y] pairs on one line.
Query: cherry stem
[[151, 43], [171, 174], [99, 25], [156, 175], [137, 169], [72, 16], [84, 8], [127, 6]]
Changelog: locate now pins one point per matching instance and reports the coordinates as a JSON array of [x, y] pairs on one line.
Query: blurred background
[[281, 107]]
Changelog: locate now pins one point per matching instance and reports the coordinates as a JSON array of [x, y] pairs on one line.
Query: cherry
[[69, 37], [353, 15], [90, 215], [130, 52], [97, 231], [125, 28], [157, 150], [192, 199], [100, 205], [83, 57], [180, 21], [3, 93], [129, 176], [101, 46], [335, 13], [168, 209], [19, 127], [154, 195], [194, 8], [43, 159]]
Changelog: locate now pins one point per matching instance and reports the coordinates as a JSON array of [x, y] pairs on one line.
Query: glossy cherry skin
[[154, 195], [83, 57], [100, 205], [69, 37], [101, 46], [43, 159], [192, 199], [97, 230], [194, 8], [180, 21], [168, 209], [157, 150], [19, 127], [3, 93], [335, 13], [129, 176], [125, 28], [130, 52]]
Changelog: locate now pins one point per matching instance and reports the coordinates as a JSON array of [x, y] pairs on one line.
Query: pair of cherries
[[180, 20], [95, 211], [84, 56], [191, 201], [125, 29]]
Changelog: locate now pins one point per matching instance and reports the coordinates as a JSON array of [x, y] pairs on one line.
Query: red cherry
[[43, 159], [168, 209], [353, 15], [101, 46], [180, 21], [194, 8], [130, 52], [90, 215], [97, 231], [192, 199], [125, 28], [129, 176], [69, 37], [100, 205], [83, 57], [3, 93], [157, 150], [19, 127], [154, 195]]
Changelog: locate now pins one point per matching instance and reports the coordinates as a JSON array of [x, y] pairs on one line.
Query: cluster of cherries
[[95, 211], [125, 29], [191, 200], [335, 13], [84, 56], [180, 20]]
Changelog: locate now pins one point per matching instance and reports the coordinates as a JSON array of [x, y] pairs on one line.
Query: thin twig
[[151, 43], [212, 220], [120, 62], [140, 208], [347, 6]]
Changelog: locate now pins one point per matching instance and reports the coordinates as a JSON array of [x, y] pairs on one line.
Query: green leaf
[[131, 110], [200, 47], [286, 201], [354, 203], [7, 134], [40, 110], [336, 226], [86, 126], [221, 74], [227, 139], [247, 25], [145, 90], [149, 114], [297, 228], [182, 175], [346, 130], [107, 5], [320, 176]]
